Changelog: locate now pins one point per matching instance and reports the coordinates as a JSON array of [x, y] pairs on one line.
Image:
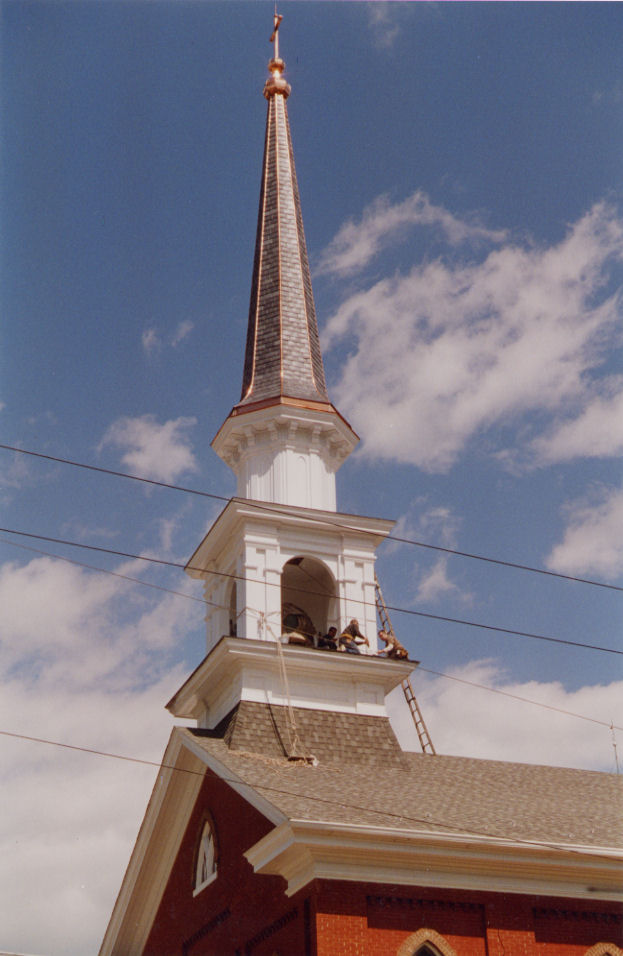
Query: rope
[[294, 744]]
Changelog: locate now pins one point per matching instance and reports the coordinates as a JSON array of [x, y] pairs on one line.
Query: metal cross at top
[[274, 37]]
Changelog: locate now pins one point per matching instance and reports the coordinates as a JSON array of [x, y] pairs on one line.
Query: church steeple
[[283, 439], [265, 568], [283, 357]]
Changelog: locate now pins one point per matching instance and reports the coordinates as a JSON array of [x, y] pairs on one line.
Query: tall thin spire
[[282, 357], [284, 439]]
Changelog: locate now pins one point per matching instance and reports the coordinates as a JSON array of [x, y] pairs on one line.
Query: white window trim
[[205, 883], [206, 828]]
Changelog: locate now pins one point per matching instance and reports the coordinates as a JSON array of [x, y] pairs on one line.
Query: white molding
[[244, 669], [245, 790], [423, 936], [205, 883], [300, 851]]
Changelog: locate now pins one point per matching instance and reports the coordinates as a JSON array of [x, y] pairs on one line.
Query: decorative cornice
[[374, 530], [337, 682], [301, 851], [275, 424]]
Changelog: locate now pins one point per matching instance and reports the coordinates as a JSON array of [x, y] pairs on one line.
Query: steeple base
[[240, 669]]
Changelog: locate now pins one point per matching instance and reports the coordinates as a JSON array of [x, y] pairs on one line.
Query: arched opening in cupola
[[308, 598]]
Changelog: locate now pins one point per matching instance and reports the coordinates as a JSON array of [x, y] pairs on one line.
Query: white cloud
[[433, 524], [182, 332], [162, 452], [593, 539], [60, 619], [597, 432], [151, 341], [85, 659], [14, 471], [450, 350], [466, 721], [357, 243], [435, 582], [383, 26]]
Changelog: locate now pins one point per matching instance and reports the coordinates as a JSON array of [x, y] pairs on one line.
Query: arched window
[[604, 949], [205, 867], [426, 942]]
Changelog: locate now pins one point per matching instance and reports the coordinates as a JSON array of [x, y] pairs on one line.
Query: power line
[[116, 474], [275, 509], [239, 577], [383, 812], [427, 670], [115, 574]]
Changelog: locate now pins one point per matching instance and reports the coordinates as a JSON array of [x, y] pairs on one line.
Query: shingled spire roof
[[283, 358]]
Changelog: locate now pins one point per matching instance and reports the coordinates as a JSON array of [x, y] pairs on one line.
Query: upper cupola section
[[283, 439]]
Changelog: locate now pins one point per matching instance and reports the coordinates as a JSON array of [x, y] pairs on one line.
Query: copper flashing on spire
[[283, 356]]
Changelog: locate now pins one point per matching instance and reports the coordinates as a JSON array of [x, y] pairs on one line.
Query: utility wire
[[239, 577], [427, 670], [275, 509], [383, 812], [115, 574]]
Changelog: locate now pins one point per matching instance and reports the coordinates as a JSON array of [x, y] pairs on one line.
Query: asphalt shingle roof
[[421, 792]]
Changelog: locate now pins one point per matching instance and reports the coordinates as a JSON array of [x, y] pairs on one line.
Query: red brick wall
[[238, 911], [379, 918]]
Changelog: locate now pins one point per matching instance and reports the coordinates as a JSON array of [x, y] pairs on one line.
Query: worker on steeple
[[351, 637], [393, 648]]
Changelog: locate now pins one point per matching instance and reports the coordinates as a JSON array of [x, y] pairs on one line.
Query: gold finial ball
[[275, 82]]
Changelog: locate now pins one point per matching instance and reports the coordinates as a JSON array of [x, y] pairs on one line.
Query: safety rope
[[294, 744]]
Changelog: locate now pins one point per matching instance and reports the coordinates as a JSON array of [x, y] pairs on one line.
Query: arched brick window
[[428, 942], [604, 949], [205, 863]]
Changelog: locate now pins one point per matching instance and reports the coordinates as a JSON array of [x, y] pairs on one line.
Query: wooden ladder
[[424, 737]]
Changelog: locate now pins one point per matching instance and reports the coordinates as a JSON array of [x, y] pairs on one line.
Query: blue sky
[[460, 176]]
